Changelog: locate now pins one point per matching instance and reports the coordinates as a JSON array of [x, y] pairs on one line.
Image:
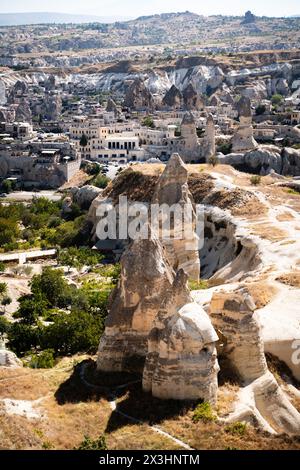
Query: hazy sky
[[134, 8]]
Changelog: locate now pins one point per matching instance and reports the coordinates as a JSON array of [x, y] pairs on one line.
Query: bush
[[276, 99], [261, 109], [198, 285], [4, 326], [203, 412], [23, 337], [213, 160], [101, 181], [225, 148], [92, 444], [73, 332], [43, 360], [255, 180], [237, 428]]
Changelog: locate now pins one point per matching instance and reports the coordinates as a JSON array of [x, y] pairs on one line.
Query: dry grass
[[269, 232], [285, 216], [290, 279], [72, 411], [262, 292]]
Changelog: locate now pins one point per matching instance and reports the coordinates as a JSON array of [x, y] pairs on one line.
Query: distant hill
[[13, 19]]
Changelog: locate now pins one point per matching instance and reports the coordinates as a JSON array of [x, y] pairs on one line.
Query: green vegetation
[[292, 191], [213, 160], [203, 412], [83, 140], [45, 224], [276, 99], [225, 148], [255, 180], [78, 257], [75, 315], [44, 360], [198, 285], [236, 428], [92, 444], [260, 109], [148, 122], [100, 181]]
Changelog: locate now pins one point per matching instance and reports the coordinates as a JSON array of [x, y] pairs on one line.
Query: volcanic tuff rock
[[209, 140], [9, 359], [182, 245], [173, 98], [84, 196], [138, 96], [181, 363], [243, 138], [191, 98], [112, 107], [262, 401], [145, 278]]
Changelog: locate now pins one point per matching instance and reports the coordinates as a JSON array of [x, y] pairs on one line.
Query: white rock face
[[262, 401], [172, 188], [243, 138], [181, 363], [9, 359]]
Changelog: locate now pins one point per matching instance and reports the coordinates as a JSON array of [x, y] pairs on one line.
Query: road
[[20, 196]]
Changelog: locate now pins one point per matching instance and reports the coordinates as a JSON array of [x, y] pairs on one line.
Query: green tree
[[101, 181], [7, 186], [83, 140], [260, 109], [276, 99], [148, 122], [31, 307], [51, 287], [5, 302]]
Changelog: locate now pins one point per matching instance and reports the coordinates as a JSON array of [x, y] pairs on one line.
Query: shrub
[[225, 148], [213, 160], [92, 444], [236, 428], [198, 285], [43, 360], [101, 181], [203, 412], [255, 180], [261, 109]]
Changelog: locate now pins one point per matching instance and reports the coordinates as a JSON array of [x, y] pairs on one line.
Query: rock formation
[[173, 98], [181, 363], [243, 138], [9, 359], [191, 99], [111, 107], [182, 245], [23, 112], [138, 96], [209, 140], [262, 402], [189, 145], [145, 277], [84, 196]]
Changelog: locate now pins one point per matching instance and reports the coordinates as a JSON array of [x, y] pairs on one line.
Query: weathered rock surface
[[145, 278], [192, 99], [189, 147], [138, 96], [182, 245], [243, 138], [181, 363], [262, 401], [260, 160], [173, 98], [84, 196], [209, 139], [9, 359]]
